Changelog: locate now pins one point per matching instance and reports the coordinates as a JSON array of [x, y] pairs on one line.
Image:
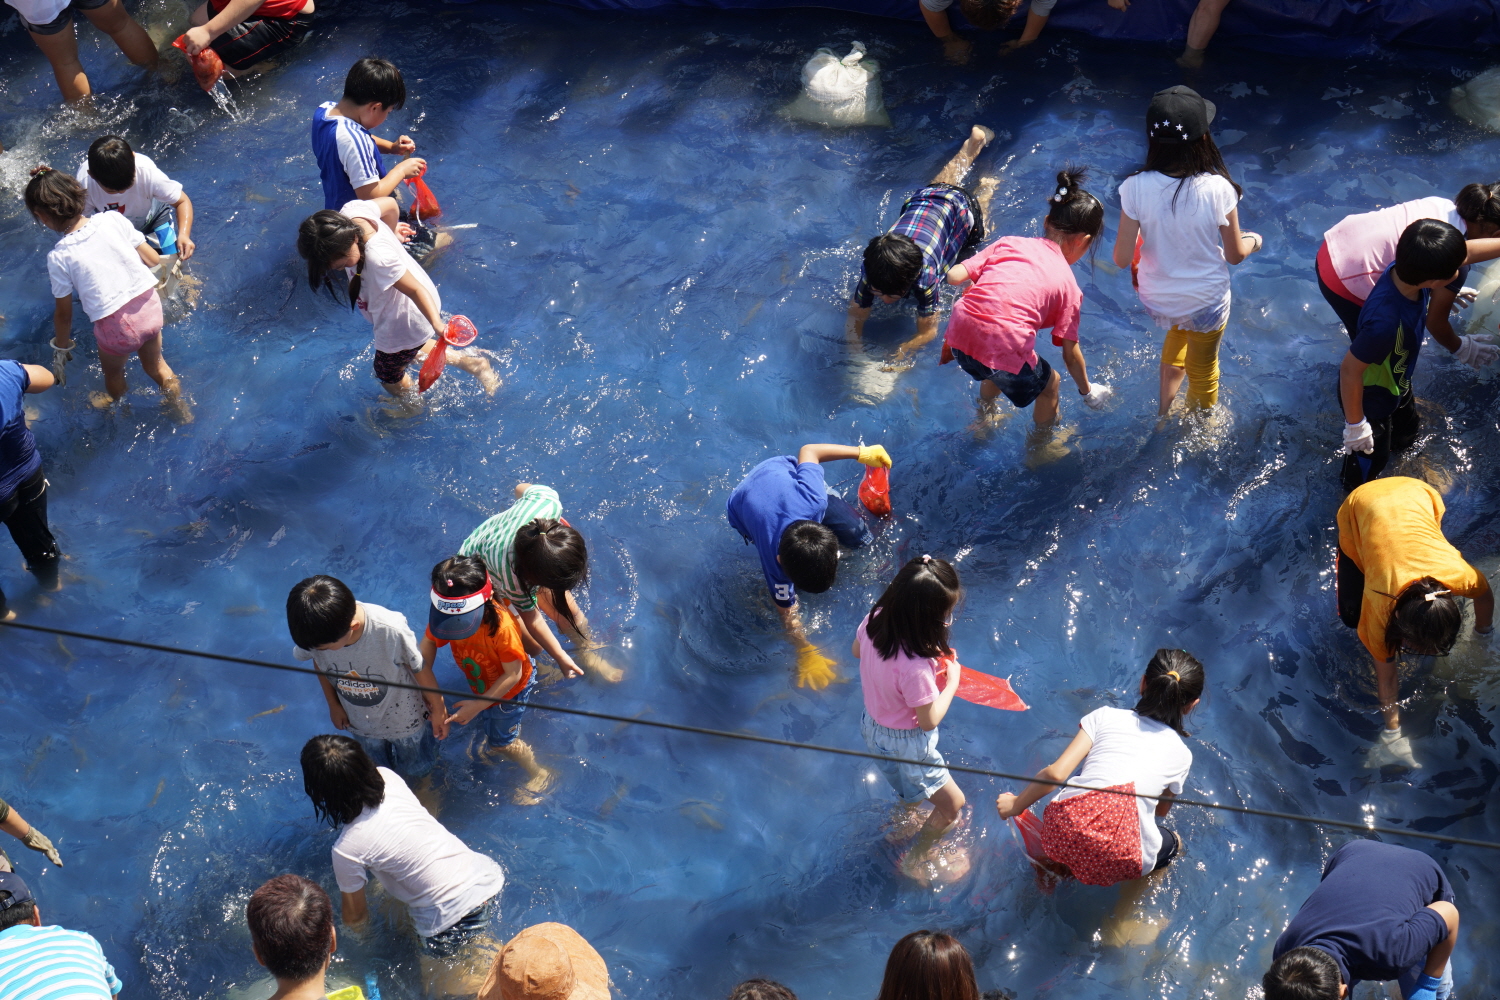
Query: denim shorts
[[502, 720], [412, 757], [63, 20], [449, 942], [913, 782], [1021, 388]]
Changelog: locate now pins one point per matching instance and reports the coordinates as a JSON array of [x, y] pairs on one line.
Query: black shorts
[[1021, 388], [391, 368], [1170, 845], [63, 20], [244, 45], [1349, 590]]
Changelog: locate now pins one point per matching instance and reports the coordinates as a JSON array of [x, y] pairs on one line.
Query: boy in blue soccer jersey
[[348, 155]]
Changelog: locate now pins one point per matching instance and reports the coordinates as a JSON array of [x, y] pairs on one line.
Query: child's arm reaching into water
[[1060, 769], [149, 257], [62, 324], [409, 286], [536, 625], [1237, 245], [1124, 251]]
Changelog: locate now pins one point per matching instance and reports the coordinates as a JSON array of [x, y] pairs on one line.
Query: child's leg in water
[[155, 365], [478, 366], [947, 802], [958, 167], [115, 385], [539, 778], [585, 650]]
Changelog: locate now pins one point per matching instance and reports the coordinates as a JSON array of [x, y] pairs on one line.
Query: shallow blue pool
[[661, 262]]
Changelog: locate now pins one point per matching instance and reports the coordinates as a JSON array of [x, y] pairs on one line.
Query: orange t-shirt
[[482, 657], [1393, 530]]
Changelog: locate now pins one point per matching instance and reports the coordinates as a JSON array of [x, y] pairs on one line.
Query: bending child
[[785, 509], [1183, 207], [908, 675], [1022, 286], [107, 263], [247, 34], [50, 24], [390, 289], [939, 226]]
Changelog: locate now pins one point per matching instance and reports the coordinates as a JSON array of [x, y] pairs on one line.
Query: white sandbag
[[1484, 315], [1479, 100], [840, 91]]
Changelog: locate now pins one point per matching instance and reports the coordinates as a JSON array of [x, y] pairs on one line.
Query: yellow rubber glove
[[347, 993], [814, 670], [874, 454]]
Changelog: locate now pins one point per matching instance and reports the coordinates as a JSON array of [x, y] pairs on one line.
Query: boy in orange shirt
[[488, 647]]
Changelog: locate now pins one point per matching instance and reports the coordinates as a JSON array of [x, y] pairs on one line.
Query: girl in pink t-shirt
[[903, 651], [1021, 286]]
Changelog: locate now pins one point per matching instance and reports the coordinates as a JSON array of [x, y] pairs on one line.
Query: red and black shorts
[[255, 41]]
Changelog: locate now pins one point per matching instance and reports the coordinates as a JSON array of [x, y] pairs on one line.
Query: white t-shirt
[[151, 185], [1130, 749], [416, 859], [1183, 275], [39, 11], [98, 261], [399, 324]]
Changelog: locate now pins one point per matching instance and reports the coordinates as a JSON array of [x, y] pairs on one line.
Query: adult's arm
[[1060, 769]]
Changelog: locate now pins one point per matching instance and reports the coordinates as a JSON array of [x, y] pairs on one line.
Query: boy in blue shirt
[[1375, 377], [23, 482], [1380, 913], [348, 155], [784, 508]]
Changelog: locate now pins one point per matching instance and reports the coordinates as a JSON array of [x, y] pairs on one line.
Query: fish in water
[[269, 711]]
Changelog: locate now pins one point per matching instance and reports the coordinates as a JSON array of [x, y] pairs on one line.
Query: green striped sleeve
[[494, 540]]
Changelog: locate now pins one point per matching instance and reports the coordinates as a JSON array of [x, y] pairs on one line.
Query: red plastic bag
[[207, 66], [982, 689], [875, 490], [426, 206], [946, 355], [460, 333]]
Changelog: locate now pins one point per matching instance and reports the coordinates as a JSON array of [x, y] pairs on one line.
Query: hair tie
[[449, 582], [41, 169], [926, 559], [1174, 675], [1429, 598]]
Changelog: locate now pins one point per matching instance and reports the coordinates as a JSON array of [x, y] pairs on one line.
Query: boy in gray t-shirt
[[357, 649]]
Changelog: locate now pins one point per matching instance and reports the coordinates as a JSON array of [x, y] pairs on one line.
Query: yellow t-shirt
[[1393, 530]]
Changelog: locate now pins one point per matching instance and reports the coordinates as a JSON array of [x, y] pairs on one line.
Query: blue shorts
[[502, 720], [912, 782], [412, 757], [1021, 388], [476, 923]]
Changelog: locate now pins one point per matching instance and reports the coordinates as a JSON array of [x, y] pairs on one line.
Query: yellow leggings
[[1198, 352]]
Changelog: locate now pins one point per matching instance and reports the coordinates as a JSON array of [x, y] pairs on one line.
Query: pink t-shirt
[[1362, 246], [1021, 285], [894, 688]]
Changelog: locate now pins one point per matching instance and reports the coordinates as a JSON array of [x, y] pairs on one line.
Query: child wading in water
[[899, 645], [1101, 838], [390, 288], [108, 264], [1183, 206]]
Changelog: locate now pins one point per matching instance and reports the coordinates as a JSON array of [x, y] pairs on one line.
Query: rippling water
[[660, 262]]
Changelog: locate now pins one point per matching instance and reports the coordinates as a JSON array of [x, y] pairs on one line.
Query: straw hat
[[547, 962]]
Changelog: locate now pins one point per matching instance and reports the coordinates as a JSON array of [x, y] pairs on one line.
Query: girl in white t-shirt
[[1182, 206], [387, 285], [1100, 837], [909, 676], [107, 264]]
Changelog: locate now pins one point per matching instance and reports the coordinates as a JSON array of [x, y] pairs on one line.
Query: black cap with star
[[1178, 114]]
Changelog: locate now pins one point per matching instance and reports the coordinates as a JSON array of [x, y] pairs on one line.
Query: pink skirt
[[123, 331]]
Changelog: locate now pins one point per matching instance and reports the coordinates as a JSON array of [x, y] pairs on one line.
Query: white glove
[[1359, 437], [60, 357], [1477, 350], [1392, 748], [1097, 395]]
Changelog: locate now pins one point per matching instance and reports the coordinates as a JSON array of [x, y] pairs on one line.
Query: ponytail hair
[[324, 237], [552, 554], [1479, 203], [54, 194], [1074, 210], [912, 615], [1426, 619], [1173, 681], [1186, 159]]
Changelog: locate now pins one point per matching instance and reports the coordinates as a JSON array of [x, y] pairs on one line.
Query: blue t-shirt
[[347, 157], [777, 492], [1391, 327], [1370, 914], [18, 455]]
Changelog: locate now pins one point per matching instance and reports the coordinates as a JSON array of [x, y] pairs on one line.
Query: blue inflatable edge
[[1326, 28]]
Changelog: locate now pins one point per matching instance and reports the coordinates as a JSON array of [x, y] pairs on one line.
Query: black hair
[[1186, 159], [1479, 203], [1166, 697], [340, 778], [892, 263], [17, 915], [912, 615], [319, 610], [987, 15], [372, 81], [1428, 250], [1303, 974], [112, 162], [552, 554], [809, 554], [761, 989], [458, 576], [1075, 210], [54, 194], [324, 237], [291, 927], [1423, 626]]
